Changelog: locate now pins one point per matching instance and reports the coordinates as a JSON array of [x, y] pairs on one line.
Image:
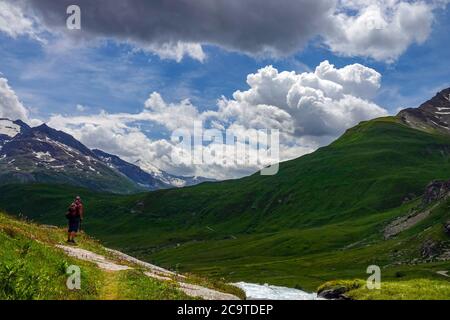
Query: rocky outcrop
[[436, 190], [447, 227], [434, 114], [337, 293], [430, 249]]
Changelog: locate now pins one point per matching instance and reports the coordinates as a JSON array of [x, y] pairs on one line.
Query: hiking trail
[[151, 271]]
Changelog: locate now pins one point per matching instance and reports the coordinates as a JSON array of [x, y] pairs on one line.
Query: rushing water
[[268, 292]]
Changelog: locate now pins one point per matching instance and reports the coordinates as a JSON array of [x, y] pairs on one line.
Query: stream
[[269, 292]]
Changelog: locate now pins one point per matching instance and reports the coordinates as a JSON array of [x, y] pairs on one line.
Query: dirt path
[[101, 261], [151, 271]]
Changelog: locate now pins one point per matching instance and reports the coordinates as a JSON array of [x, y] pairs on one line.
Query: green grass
[[134, 285], [319, 219], [417, 289], [31, 268]]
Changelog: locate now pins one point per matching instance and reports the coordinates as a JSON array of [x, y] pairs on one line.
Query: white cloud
[[309, 109], [320, 103], [176, 51], [354, 79], [13, 22], [172, 116], [10, 106], [381, 29]]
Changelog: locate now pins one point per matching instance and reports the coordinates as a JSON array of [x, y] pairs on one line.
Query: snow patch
[[44, 156], [8, 128]]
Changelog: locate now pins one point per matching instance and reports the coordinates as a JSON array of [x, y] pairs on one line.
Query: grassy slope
[[415, 289], [320, 218], [31, 268]]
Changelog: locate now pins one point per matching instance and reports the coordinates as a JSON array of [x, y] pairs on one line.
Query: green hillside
[[34, 261], [320, 218], [32, 268]]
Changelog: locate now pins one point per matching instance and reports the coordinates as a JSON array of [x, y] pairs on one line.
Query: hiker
[[75, 216]]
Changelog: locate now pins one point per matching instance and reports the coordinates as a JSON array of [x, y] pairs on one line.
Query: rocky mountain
[[170, 179], [146, 174], [132, 171], [43, 154], [433, 114]]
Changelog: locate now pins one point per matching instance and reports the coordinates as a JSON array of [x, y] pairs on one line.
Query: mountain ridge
[[432, 114], [132, 171], [152, 178], [43, 154]]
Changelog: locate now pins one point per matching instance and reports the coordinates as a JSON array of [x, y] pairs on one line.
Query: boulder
[[430, 249], [336, 293], [436, 190]]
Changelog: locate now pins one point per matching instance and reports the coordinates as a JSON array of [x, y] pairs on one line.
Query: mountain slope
[[434, 114], [43, 154], [152, 178], [371, 168], [132, 171]]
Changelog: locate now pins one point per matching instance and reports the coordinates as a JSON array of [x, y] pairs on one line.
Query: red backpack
[[72, 211]]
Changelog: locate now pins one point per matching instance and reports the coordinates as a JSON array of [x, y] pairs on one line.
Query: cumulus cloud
[[309, 109], [10, 106], [381, 29], [319, 103]]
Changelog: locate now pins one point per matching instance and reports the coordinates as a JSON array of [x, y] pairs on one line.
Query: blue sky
[[53, 76]]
